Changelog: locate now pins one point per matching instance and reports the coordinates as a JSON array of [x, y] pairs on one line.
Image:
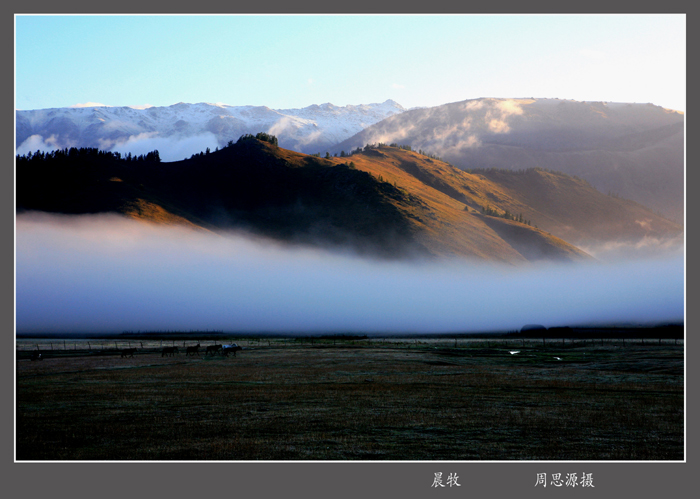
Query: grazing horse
[[170, 351], [36, 355], [212, 349], [226, 349], [128, 352], [193, 350]]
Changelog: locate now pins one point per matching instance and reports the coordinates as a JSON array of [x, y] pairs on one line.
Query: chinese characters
[[451, 480], [570, 480]]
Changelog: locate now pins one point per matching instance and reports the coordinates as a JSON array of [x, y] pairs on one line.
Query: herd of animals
[[223, 350]]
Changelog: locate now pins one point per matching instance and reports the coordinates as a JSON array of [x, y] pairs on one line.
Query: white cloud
[[90, 104], [169, 148], [398, 85], [648, 247], [509, 107], [282, 126], [473, 105], [38, 143], [497, 117]]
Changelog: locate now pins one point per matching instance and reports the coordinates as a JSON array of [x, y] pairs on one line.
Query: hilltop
[[385, 201]]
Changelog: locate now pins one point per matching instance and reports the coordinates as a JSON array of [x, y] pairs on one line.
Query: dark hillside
[[250, 184]]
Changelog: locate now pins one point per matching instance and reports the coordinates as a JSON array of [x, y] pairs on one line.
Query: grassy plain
[[373, 400]]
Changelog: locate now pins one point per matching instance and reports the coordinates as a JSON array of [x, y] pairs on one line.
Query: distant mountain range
[[385, 201], [311, 129], [635, 151]]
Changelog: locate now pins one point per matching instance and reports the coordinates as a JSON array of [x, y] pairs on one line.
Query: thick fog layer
[[104, 273]]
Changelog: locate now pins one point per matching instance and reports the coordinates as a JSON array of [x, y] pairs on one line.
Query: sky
[[293, 61]]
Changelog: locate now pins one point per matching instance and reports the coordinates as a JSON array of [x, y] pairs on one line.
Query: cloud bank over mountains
[[635, 151], [516, 122], [180, 130]]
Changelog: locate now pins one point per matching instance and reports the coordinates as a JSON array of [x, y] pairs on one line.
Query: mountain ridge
[[384, 201], [310, 129], [635, 151]]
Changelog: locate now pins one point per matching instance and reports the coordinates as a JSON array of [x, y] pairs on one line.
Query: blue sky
[[295, 61]]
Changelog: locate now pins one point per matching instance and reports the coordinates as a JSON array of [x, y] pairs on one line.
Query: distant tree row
[[327, 156], [432, 156], [85, 152], [265, 137], [487, 210], [202, 153], [378, 145]]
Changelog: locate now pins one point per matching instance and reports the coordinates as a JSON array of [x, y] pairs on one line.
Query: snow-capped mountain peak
[[314, 128]]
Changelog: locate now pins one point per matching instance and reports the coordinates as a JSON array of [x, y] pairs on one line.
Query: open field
[[374, 399]]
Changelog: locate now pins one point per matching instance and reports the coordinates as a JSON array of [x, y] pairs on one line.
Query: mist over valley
[[106, 273]]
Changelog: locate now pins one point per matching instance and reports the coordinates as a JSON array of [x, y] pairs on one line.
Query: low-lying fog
[[109, 274]]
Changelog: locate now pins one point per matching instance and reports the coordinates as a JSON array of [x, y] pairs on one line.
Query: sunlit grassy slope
[[566, 207], [454, 222]]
